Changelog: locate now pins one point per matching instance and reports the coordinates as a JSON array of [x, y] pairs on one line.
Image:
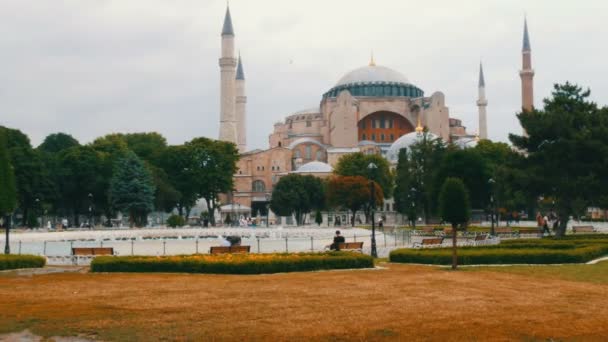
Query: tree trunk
[[352, 219], [563, 224], [24, 220], [7, 227], [454, 256]]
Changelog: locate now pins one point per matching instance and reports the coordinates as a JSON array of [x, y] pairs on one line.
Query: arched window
[[363, 137], [319, 155], [258, 186], [280, 144], [382, 137], [308, 152], [297, 154]]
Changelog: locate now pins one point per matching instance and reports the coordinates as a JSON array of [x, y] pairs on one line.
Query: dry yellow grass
[[401, 302]]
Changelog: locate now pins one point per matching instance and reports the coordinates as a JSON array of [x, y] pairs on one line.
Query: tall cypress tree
[[132, 189], [8, 189]]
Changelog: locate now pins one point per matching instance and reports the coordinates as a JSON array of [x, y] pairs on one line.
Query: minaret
[[241, 110], [228, 130], [481, 105], [527, 73]]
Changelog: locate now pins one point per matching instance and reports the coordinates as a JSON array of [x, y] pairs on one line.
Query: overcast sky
[[93, 67]]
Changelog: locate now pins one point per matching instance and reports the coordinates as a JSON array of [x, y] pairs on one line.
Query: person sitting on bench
[[338, 239]]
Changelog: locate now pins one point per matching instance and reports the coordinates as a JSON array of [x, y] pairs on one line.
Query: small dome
[[315, 167], [466, 142], [406, 141], [373, 74]]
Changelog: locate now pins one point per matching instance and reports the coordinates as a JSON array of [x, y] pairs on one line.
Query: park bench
[[583, 229], [92, 251], [428, 230], [229, 249], [429, 242], [503, 231], [529, 231], [351, 246]]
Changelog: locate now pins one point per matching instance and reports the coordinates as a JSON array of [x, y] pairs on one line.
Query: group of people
[[546, 221]]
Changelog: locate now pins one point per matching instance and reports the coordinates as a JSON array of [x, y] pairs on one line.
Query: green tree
[[81, 172], [454, 208], [211, 169], [404, 183], [425, 157], [356, 164], [132, 189], [472, 169], [566, 151], [296, 195], [31, 176], [352, 193], [57, 142], [147, 146], [8, 190]]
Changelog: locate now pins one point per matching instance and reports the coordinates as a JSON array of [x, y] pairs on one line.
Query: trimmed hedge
[[526, 251], [233, 263], [14, 261]]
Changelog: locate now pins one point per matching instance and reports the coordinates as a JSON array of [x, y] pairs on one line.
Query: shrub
[[234, 263], [577, 249], [176, 221], [13, 261]]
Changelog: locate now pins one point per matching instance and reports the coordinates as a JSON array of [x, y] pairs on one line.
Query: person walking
[[546, 226]]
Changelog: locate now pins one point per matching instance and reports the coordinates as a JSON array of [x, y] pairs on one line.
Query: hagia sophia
[[372, 109]]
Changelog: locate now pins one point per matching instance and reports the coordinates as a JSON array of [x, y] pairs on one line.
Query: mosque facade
[[372, 109]]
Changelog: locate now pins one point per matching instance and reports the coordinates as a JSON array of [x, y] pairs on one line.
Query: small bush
[[176, 221], [13, 261], [234, 263], [578, 249]]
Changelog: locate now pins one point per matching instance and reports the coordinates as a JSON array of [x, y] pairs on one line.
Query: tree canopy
[[132, 189], [566, 151], [352, 193], [356, 164], [297, 195]]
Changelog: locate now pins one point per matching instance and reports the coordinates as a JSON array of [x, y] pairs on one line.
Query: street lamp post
[[267, 210], [492, 209], [38, 211], [372, 204], [90, 211], [413, 190]]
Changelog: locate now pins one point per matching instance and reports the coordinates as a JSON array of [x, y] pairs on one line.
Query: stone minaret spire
[[527, 73], [241, 110], [482, 103], [228, 130]]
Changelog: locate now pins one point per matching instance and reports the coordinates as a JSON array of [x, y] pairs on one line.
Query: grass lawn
[[398, 302], [597, 273]]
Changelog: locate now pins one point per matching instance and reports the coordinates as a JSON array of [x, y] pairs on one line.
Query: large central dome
[[375, 81], [373, 74]]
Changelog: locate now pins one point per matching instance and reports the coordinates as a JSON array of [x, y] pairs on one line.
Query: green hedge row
[[490, 256], [14, 261], [234, 264]]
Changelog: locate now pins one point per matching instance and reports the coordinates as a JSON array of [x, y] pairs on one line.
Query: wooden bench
[[428, 230], [351, 246], [503, 231], [229, 249], [534, 231], [429, 242], [583, 229], [92, 251]]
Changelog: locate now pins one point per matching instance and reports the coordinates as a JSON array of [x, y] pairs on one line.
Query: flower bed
[[233, 263], [525, 251], [13, 261]]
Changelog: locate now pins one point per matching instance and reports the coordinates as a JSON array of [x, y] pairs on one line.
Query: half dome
[[406, 141]]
